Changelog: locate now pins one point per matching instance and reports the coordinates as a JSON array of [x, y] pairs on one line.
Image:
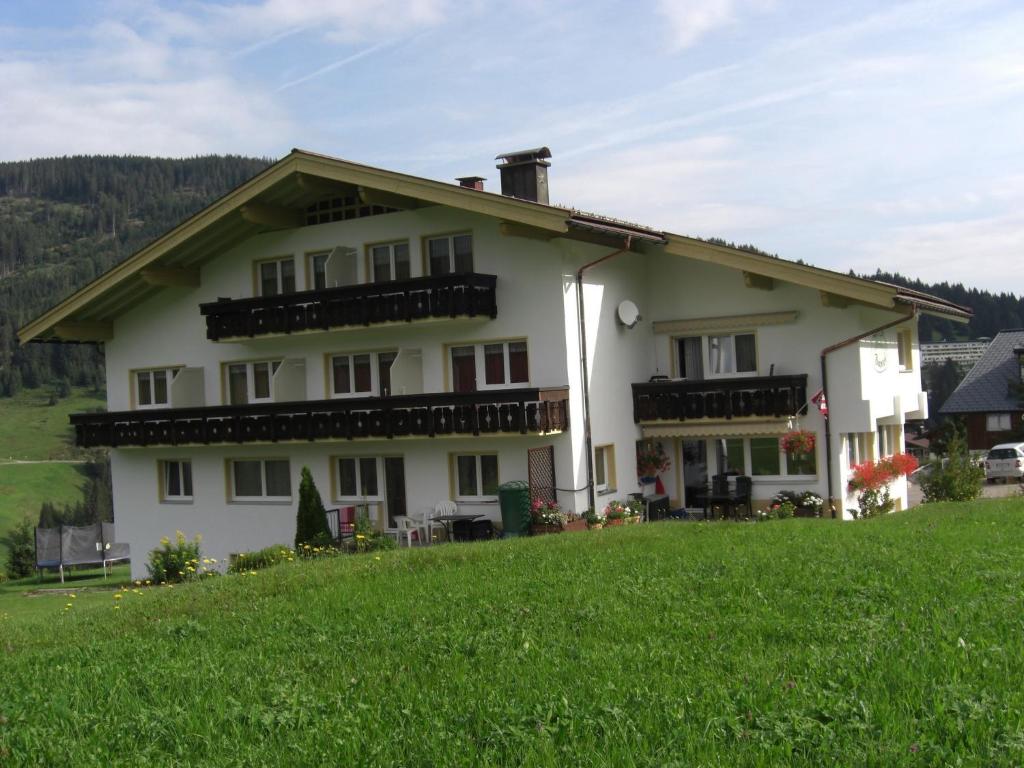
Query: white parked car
[[1006, 461]]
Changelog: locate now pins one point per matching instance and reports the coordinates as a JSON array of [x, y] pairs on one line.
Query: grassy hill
[[895, 641], [32, 430]]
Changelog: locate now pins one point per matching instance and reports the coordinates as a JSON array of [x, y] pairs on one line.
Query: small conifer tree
[[311, 520]]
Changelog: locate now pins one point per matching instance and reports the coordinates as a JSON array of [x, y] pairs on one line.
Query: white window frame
[[604, 460], [705, 347], [279, 276], [391, 259], [263, 481], [748, 461], [479, 496], [163, 470], [358, 497], [451, 250], [311, 260], [169, 372], [998, 419], [375, 390], [480, 364], [250, 381]]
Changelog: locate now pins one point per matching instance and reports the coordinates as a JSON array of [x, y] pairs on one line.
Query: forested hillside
[[63, 221]]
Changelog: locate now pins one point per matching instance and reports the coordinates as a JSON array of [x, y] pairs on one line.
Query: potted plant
[[809, 505], [546, 517], [651, 461], [615, 514], [594, 521], [798, 442]]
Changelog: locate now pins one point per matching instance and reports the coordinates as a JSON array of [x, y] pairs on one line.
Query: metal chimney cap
[[538, 153]]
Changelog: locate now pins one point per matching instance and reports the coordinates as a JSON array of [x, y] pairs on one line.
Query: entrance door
[[695, 471], [394, 488]]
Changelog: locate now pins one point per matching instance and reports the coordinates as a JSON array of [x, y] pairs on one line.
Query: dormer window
[[1019, 352], [276, 276], [450, 254]]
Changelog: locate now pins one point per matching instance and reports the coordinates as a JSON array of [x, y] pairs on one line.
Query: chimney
[[472, 182], [524, 174]]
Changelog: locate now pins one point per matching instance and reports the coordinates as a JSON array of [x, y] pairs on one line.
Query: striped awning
[[733, 428]]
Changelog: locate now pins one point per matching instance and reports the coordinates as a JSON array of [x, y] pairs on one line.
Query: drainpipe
[[582, 320], [824, 389]]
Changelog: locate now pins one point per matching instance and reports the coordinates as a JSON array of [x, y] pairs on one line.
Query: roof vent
[[472, 182], [524, 174]]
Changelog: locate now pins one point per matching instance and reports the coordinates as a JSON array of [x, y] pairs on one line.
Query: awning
[[733, 428]]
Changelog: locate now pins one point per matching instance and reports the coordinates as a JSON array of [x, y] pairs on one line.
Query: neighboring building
[[963, 353], [413, 341], [989, 398]]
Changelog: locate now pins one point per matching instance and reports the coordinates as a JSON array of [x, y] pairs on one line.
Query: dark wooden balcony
[[419, 298], [773, 396], [506, 411]]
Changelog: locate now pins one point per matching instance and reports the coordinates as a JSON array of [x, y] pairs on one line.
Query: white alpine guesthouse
[[413, 342]]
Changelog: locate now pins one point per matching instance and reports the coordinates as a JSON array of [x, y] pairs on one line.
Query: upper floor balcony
[[505, 411], [349, 306], [720, 398]]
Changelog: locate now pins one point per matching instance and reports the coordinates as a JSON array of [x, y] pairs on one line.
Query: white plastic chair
[[408, 530], [441, 508]]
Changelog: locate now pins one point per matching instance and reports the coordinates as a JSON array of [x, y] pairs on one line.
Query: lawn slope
[[885, 642]]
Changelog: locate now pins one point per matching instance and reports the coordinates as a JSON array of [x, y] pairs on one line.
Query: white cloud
[[690, 20]]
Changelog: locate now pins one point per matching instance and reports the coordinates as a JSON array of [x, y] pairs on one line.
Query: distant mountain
[[64, 221]]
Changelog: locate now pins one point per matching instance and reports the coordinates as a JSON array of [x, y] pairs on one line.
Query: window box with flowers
[[621, 513], [870, 481], [545, 517]]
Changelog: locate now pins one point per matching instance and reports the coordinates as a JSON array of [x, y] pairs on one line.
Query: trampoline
[[67, 545]]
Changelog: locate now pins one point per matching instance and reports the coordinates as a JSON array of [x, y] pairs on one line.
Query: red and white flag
[[820, 401]]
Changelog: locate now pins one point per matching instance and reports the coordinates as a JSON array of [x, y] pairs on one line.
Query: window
[[450, 254], [276, 276], [175, 480], [726, 354], [318, 269], [604, 468], [904, 349], [765, 456], [357, 479], [251, 382], [261, 480], [489, 366], [997, 422], [153, 387], [364, 374], [761, 457], [858, 447], [390, 261], [476, 477]]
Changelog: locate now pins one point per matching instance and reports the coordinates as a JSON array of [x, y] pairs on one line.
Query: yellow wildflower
[[117, 597]]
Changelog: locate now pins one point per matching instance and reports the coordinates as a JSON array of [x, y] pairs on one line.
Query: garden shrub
[[21, 559], [261, 558], [175, 562], [311, 520], [960, 479], [367, 538]]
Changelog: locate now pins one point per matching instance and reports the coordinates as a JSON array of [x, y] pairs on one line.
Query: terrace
[[509, 411]]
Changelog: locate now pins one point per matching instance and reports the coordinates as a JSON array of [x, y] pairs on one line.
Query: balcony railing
[[773, 396], [515, 411], [464, 295]]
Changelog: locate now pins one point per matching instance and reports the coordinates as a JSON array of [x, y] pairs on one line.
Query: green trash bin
[[514, 498]]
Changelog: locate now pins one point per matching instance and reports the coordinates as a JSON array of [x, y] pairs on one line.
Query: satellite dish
[[628, 313]]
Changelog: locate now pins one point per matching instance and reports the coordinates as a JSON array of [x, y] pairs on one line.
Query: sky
[[854, 135]]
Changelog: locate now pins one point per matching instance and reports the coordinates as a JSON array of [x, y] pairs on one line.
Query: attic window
[[342, 208]]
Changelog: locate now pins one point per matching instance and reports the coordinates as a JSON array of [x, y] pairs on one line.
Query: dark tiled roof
[[986, 388]]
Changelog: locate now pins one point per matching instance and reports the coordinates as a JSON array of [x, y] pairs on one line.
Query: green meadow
[[32, 430], [894, 641]]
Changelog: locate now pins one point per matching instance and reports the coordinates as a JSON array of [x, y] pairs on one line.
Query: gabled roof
[[986, 389], [272, 198]]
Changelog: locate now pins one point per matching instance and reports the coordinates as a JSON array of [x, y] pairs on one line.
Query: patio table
[[448, 521]]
